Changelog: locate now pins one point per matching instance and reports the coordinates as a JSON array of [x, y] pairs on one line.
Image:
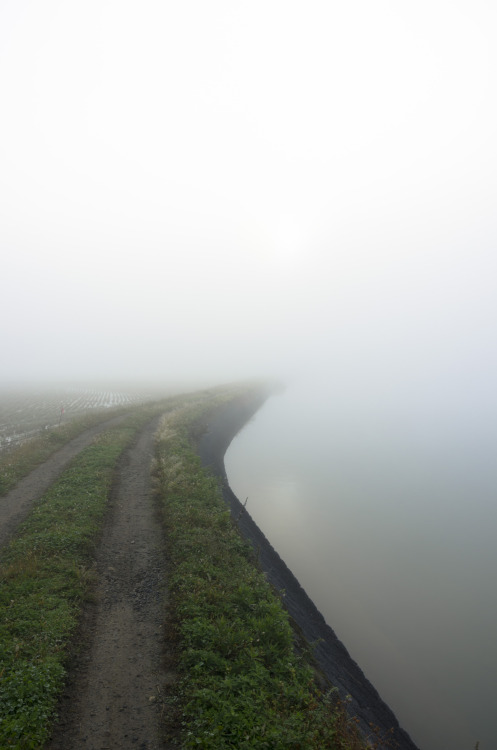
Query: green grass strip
[[242, 685], [17, 463], [45, 574]]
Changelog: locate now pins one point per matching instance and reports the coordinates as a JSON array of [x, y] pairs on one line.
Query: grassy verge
[[241, 683]]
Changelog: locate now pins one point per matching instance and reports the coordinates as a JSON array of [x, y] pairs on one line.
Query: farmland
[[24, 413]]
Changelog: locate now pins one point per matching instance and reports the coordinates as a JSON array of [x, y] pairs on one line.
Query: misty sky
[[228, 189]]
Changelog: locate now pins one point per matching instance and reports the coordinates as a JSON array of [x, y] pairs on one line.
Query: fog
[[198, 192], [224, 190]]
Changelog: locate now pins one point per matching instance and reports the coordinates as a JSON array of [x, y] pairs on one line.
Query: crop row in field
[[24, 414]]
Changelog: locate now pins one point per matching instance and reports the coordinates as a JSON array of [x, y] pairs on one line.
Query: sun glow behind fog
[[164, 164]]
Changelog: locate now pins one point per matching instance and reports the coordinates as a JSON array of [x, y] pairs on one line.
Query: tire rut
[[113, 694], [17, 503]]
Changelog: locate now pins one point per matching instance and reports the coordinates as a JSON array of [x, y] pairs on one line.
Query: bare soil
[[116, 681], [16, 504]]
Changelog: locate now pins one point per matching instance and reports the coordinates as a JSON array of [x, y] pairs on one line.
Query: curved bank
[[330, 654]]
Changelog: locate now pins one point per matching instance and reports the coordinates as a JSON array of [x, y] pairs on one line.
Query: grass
[[241, 684]]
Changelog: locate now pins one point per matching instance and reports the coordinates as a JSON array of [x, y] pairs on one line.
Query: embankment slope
[[330, 654]]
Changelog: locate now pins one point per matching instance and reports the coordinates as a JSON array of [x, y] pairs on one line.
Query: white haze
[[207, 191], [233, 189]]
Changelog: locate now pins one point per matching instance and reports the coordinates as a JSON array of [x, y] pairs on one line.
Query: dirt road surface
[[113, 697]]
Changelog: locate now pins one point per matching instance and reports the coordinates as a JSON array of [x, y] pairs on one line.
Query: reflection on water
[[392, 532]]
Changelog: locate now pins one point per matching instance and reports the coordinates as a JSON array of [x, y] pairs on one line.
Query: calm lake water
[[388, 519]]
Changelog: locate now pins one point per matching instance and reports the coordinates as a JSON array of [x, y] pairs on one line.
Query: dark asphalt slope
[[331, 655]]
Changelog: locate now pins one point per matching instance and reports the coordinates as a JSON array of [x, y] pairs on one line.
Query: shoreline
[[330, 655]]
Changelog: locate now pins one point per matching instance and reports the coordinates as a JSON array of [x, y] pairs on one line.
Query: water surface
[[387, 516]]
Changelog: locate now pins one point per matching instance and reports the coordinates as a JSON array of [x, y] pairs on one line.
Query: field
[[26, 413]]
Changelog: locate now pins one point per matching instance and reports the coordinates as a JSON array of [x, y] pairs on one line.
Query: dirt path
[[113, 696], [15, 506]]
